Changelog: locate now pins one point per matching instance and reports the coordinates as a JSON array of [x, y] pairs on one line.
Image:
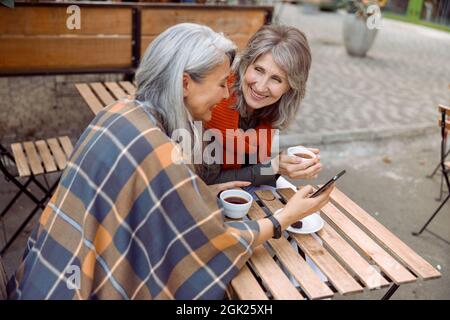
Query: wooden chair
[[436, 169], [444, 124], [32, 159], [98, 95]]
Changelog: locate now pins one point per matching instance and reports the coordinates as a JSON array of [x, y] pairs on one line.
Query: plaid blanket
[[127, 222]]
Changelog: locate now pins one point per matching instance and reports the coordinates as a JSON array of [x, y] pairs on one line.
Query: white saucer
[[311, 224]]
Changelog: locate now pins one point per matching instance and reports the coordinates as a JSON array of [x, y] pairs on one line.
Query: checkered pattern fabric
[[129, 222]]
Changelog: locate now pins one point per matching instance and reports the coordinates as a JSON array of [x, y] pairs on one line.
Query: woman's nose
[[260, 85]]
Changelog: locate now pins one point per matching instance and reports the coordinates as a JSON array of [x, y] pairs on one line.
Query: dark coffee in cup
[[236, 200], [304, 155]]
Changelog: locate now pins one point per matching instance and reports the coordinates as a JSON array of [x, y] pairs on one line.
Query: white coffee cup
[[295, 151], [234, 210]]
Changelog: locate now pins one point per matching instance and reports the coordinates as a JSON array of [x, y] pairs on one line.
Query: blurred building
[[436, 11]]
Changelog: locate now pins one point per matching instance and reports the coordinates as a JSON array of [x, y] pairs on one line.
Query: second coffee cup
[[301, 152]]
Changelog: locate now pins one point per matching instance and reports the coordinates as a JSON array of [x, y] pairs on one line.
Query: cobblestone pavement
[[398, 85]]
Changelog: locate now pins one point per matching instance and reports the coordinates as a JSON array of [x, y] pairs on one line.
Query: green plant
[[359, 7]]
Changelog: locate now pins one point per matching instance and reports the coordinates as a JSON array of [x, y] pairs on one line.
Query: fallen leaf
[[386, 159]]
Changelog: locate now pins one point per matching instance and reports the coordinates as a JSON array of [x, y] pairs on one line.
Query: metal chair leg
[[441, 189], [390, 292], [438, 165], [40, 205], [14, 199], [432, 217]]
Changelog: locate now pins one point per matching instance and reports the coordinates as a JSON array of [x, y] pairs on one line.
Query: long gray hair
[[290, 50], [186, 47]]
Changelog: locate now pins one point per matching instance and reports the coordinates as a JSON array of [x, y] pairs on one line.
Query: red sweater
[[225, 117]]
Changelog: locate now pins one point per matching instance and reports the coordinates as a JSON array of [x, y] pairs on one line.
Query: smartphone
[[328, 184]]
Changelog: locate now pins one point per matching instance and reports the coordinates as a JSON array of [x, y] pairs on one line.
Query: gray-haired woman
[[129, 220], [268, 86]]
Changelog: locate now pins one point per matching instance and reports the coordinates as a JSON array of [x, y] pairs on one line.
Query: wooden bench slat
[[274, 278], [89, 97], [116, 90], [247, 287], [47, 159], [103, 94], [445, 109], [396, 271], [386, 238], [302, 272], [67, 146], [33, 158], [21, 160], [344, 283], [368, 275], [58, 153], [128, 86], [338, 276]]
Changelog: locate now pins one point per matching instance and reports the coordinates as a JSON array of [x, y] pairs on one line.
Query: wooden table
[[353, 250]]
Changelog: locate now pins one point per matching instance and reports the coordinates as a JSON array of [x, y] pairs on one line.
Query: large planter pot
[[358, 38]]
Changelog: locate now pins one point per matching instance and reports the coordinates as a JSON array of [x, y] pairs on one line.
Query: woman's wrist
[[284, 217]]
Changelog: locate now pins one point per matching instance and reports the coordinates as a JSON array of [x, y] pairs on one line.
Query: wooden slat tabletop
[[246, 287], [368, 246], [313, 287], [338, 276], [386, 238], [365, 272], [346, 250], [272, 276]]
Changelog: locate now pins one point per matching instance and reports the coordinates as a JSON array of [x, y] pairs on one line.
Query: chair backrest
[[41, 39], [445, 109], [445, 116]]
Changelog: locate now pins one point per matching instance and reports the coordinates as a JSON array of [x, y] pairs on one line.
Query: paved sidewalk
[[396, 88]]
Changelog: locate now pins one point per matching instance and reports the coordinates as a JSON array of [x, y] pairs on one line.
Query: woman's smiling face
[[264, 82], [201, 97]]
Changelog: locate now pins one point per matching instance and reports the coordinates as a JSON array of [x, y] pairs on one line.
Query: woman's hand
[[218, 188], [297, 168], [300, 205]]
